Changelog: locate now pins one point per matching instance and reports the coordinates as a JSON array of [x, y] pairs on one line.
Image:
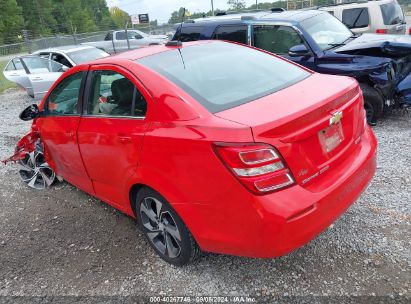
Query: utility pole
[[256, 4], [212, 7]]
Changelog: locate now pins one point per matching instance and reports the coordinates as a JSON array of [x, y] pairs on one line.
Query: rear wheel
[[164, 229], [373, 103]]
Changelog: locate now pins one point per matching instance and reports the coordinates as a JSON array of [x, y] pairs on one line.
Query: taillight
[[381, 31], [259, 167], [409, 30]]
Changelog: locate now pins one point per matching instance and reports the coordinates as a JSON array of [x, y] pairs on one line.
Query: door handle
[[124, 139]]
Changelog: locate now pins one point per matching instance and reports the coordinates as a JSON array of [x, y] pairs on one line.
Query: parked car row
[[320, 42], [36, 75]]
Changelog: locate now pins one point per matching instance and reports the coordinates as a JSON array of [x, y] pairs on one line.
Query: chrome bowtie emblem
[[336, 117]]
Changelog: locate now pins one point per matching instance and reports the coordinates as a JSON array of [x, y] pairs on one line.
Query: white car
[[71, 55], [33, 73], [36, 73], [381, 17]]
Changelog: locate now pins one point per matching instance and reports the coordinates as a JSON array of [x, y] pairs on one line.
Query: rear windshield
[[86, 55], [392, 13], [222, 75]]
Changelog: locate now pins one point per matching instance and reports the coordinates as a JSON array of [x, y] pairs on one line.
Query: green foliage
[[119, 17], [236, 5], [4, 83], [47, 17], [11, 21]]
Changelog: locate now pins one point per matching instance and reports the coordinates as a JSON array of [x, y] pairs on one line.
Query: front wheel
[[164, 229], [35, 171], [373, 103]]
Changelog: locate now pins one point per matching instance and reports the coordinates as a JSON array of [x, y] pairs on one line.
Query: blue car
[[320, 42]]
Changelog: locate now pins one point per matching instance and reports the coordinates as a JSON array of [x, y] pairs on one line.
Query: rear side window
[[276, 39], [236, 33], [190, 33], [112, 94], [223, 75], [356, 17], [63, 100], [392, 13]]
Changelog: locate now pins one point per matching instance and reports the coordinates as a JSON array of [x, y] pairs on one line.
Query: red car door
[[111, 130], [58, 129]]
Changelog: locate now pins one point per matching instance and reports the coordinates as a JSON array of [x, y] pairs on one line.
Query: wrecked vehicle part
[[33, 168]]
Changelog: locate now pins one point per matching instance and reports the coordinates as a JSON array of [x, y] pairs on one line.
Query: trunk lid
[[313, 124]]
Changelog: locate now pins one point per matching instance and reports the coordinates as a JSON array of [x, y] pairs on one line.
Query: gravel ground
[[63, 242]]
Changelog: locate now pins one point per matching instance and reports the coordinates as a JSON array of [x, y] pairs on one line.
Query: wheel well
[[133, 195]]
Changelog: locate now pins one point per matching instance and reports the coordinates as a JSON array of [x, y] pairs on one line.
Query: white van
[[381, 16]]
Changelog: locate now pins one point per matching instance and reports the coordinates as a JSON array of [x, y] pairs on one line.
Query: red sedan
[[210, 145]]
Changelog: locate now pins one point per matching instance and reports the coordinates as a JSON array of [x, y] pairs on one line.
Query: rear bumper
[[281, 222]]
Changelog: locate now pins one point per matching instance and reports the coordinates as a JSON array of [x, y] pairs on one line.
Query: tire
[[373, 103], [34, 170], [164, 229]]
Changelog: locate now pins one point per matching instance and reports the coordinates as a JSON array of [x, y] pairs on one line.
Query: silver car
[[36, 73], [71, 55]]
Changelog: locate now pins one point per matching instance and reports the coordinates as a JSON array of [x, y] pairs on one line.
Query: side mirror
[[298, 51], [30, 112]]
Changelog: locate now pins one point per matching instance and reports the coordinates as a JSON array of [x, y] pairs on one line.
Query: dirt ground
[[63, 242]]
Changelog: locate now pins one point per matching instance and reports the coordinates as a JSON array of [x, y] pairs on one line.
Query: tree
[[100, 13], [236, 4], [176, 16], [11, 21], [119, 16], [38, 17]]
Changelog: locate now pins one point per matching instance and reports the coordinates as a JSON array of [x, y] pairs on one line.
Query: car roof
[[65, 49], [355, 4], [148, 51], [281, 16]]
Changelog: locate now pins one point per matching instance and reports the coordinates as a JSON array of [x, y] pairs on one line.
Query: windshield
[[86, 55], [392, 13], [326, 30], [223, 75]]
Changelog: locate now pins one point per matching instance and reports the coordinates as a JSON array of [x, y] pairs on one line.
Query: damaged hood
[[378, 45]]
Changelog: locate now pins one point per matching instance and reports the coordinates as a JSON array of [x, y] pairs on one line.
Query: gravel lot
[[63, 242]]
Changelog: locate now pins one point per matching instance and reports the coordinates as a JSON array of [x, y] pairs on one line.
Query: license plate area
[[331, 137]]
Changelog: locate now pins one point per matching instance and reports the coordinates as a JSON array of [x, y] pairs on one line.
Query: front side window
[[61, 59], [63, 100], [113, 94], [232, 33], [130, 34], [38, 65], [276, 39], [356, 17], [224, 75], [326, 30]]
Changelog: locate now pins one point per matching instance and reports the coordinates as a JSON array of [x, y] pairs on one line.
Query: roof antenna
[[178, 41]]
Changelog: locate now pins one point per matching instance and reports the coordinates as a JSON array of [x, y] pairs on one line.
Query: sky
[[162, 9]]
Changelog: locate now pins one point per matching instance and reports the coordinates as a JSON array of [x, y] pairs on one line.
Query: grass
[[4, 83]]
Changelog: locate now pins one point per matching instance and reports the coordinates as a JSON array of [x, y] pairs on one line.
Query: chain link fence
[[30, 44]]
